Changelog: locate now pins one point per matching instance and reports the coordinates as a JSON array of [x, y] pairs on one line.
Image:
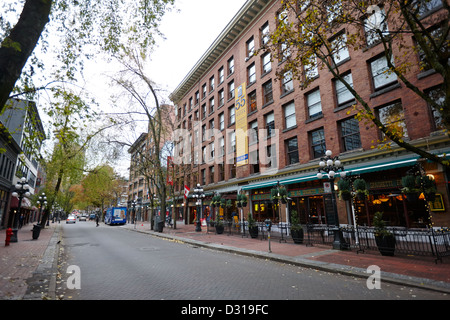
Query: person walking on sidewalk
[[96, 219]]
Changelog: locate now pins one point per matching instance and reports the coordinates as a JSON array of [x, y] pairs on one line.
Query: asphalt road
[[112, 263]]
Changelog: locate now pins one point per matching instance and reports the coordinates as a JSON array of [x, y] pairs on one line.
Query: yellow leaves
[[8, 43]]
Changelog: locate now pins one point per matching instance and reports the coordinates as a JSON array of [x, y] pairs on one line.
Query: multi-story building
[[138, 189], [25, 127], [142, 186], [291, 128], [8, 160]]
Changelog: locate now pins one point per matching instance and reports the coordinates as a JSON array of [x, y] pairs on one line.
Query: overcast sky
[[189, 33]]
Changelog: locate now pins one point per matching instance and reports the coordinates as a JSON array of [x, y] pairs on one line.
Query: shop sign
[[327, 187], [437, 204]]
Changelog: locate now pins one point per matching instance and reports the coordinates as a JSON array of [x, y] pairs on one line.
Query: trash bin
[[36, 231], [159, 225]]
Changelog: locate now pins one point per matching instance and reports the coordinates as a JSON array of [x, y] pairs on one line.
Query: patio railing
[[423, 242]]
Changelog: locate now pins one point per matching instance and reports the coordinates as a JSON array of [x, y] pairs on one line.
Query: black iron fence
[[423, 242], [405, 241]]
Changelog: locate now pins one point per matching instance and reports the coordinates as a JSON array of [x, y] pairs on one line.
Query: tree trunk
[[52, 200], [15, 49]]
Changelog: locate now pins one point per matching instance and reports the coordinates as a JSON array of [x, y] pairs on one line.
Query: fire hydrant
[[9, 233]]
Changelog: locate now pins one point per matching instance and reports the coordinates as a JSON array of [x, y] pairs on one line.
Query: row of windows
[[391, 115], [6, 167], [341, 54], [313, 102], [380, 80]]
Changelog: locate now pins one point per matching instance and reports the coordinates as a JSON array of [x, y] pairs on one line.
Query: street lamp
[[331, 167], [22, 188], [199, 195], [42, 202], [133, 204]]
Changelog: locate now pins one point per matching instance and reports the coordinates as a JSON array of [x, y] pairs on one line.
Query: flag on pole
[[186, 191]]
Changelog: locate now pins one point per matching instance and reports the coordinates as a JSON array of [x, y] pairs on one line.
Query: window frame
[[313, 104], [350, 133], [290, 152], [267, 93], [320, 143], [376, 74], [291, 117]]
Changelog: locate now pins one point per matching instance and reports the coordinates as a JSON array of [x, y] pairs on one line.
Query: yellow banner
[[241, 125]]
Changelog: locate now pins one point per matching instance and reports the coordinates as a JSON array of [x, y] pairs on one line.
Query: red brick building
[[291, 128]]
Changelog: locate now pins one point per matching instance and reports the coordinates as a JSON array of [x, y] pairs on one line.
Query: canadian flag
[[186, 191]]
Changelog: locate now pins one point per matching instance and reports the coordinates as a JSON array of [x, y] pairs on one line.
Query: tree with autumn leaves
[[99, 188], [318, 35]]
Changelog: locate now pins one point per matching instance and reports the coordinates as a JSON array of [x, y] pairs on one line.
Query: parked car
[[71, 219], [92, 216], [82, 218]]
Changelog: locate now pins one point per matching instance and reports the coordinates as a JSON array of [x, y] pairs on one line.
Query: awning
[[377, 166], [26, 203], [260, 185], [351, 170]]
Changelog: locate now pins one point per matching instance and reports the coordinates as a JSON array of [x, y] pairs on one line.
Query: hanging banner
[[241, 125], [169, 170]]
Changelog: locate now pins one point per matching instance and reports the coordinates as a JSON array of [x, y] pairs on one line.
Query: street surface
[[112, 263]]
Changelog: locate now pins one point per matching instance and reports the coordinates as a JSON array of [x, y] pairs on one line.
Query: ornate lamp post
[[331, 167], [41, 202], [21, 191], [133, 205], [199, 195]]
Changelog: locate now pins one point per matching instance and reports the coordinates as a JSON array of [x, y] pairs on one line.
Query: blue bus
[[116, 215]]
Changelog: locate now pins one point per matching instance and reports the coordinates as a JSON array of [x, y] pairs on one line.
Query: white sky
[[189, 31]]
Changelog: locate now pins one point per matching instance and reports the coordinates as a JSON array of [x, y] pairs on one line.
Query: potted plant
[[428, 186], [296, 228], [360, 186], [274, 195], [219, 224], [344, 189], [215, 202], [279, 194], [283, 194], [384, 239], [241, 200], [410, 188], [252, 227]]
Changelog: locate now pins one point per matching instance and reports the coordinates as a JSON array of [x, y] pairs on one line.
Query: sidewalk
[[28, 267], [415, 271]]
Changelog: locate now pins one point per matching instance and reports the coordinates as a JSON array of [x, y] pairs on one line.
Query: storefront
[[314, 204]]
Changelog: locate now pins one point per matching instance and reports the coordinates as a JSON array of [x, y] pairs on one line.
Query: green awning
[[260, 185], [373, 167]]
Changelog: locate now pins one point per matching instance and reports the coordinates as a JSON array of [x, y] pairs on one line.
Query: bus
[[116, 215]]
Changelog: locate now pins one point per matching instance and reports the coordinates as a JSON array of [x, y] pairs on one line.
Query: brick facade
[[417, 114]]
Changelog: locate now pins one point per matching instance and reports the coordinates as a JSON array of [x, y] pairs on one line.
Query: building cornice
[[235, 27]]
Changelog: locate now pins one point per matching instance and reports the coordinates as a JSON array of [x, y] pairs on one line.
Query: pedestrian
[[96, 219]]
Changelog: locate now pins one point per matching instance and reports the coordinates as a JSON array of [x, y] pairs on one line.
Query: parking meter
[[268, 224]]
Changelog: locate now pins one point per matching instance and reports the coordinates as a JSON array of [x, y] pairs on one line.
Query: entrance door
[[316, 210]]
